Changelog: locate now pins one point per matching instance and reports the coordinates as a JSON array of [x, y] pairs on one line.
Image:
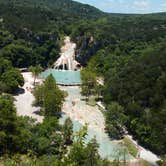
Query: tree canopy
[[127, 50], [49, 97], [10, 78]]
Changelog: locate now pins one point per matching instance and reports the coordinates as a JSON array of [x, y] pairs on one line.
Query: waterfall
[[67, 57]]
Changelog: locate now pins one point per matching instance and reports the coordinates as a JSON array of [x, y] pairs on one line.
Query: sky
[[128, 6]]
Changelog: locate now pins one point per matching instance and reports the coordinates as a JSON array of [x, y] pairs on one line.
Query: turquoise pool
[[63, 77], [107, 149]]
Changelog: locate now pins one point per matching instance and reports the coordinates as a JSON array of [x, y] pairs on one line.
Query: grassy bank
[[133, 150]]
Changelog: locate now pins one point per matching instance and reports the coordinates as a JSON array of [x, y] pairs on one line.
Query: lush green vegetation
[[127, 50], [49, 97], [21, 135], [137, 83], [115, 120], [25, 142], [30, 31], [36, 71], [131, 50], [133, 150], [125, 35], [88, 82], [139, 86], [10, 78]]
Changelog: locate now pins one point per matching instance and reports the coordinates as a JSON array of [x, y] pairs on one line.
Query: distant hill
[[68, 6], [31, 33], [40, 20], [44, 14], [52, 4]]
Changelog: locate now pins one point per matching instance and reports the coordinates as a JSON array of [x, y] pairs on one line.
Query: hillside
[[117, 31], [38, 26], [48, 12], [128, 51]]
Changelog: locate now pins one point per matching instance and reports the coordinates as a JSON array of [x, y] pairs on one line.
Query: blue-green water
[[64, 77], [107, 149]]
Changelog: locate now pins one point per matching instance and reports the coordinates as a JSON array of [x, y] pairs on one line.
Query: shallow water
[[107, 148], [66, 77], [91, 115]]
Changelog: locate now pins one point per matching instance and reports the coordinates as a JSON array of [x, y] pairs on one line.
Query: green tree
[[99, 89], [14, 135], [46, 140], [36, 70], [78, 155], [82, 153], [93, 156], [18, 53], [88, 82], [4, 65], [12, 79], [68, 131], [115, 120], [49, 96], [5, 38]]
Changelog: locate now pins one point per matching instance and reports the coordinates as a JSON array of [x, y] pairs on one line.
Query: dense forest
[[25, 142], [132, 61], [129, 51]]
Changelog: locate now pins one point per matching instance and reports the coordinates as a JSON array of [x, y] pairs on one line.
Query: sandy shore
[[75, 107], [25, 99]]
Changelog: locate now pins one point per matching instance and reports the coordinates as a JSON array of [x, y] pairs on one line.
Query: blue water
[[66, 77], [107, 149]]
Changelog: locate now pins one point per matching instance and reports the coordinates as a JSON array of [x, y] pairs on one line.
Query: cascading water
[[67, 59], [66, 70]]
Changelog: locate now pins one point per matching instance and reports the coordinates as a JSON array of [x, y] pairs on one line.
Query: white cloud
[[128, 6], [141, 3], [141, 6], [113, 1], [163, 5]]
